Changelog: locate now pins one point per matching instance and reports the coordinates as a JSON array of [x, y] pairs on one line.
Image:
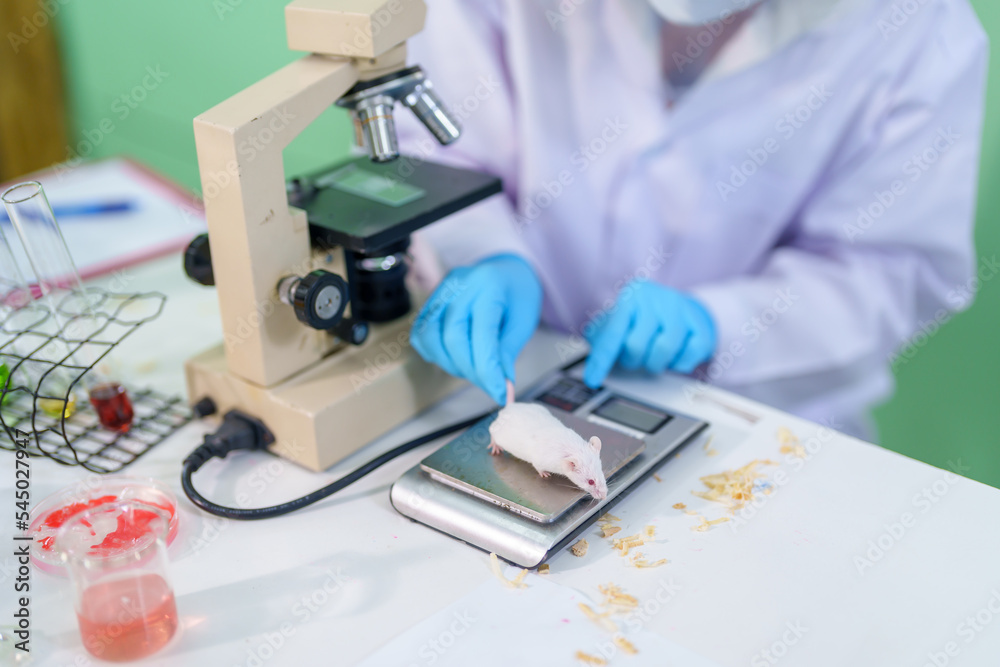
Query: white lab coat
[[815, 187]]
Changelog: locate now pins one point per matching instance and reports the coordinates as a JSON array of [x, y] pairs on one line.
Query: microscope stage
[[364, 206]]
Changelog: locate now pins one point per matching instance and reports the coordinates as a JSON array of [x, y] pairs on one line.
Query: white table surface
[[255, 593]]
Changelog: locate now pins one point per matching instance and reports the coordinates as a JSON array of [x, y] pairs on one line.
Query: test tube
[[116, 556], [9, 295], [56, 273], [15, 295]]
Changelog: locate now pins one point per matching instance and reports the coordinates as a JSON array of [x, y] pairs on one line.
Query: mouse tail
[[510, 392]]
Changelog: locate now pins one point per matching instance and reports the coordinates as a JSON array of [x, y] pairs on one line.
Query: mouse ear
[[571, 464], [595, 442]]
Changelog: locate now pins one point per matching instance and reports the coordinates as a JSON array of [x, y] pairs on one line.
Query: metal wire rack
[[48, 354]]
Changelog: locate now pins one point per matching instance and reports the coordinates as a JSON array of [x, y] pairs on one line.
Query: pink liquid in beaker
[[127, 619]]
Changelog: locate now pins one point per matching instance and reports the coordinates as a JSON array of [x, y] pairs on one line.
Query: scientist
[[774, 194]]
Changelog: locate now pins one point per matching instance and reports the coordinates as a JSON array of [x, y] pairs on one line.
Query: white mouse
[[531, 433]]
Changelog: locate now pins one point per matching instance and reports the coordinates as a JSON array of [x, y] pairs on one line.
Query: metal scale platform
[[501, 505]]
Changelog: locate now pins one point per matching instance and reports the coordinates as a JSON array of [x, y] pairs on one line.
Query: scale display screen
[[640, 417]]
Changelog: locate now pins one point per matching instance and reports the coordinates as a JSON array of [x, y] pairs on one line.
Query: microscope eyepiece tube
[[425, 103]]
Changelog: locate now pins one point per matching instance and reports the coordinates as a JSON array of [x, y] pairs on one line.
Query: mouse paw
[[494, 449], [543, 474]]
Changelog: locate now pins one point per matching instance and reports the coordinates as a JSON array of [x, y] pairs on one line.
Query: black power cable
[[241, 431]]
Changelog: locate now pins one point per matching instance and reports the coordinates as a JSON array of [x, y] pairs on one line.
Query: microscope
[[311, 272]]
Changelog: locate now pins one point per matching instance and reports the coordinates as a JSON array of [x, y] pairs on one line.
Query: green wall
[[946, 409], [204, 51]]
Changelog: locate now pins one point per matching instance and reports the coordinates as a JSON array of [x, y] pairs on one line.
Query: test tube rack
[[77, 439]]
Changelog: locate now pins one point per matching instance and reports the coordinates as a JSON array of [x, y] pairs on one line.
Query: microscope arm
[[256, 237]]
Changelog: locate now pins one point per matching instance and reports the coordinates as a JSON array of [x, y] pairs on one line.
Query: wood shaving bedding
[[733, 488], [706, 524], [616, 601], [601, 619], [516, 582], [790, 443], [624, 544], [625, 645]]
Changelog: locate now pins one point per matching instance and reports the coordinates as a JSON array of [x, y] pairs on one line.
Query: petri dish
[[53, 512]]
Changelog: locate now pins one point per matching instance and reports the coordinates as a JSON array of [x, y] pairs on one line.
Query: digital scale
[[500, 504]]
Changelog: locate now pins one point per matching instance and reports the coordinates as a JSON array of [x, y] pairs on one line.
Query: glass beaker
[[116, 556]]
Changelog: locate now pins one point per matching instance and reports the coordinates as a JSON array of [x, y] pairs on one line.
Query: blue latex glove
[[652, 327], [478, 320]]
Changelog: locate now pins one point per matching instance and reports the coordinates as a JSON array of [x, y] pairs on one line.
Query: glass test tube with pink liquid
[[116, 556]]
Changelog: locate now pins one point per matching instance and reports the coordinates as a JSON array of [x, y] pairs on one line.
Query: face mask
[[699, 12]]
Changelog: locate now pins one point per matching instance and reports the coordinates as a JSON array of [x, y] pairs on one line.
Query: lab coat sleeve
[[469, 73], [865, 268]]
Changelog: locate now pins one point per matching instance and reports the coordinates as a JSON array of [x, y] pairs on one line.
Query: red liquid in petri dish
[[127, 619], [114, 409]]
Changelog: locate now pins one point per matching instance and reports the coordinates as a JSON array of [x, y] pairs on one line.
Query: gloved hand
[[478, 320], [653, 327]]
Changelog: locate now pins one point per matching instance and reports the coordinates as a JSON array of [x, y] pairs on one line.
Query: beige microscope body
[[321, 398]]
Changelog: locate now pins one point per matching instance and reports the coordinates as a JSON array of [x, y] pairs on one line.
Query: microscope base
[[336, 406]]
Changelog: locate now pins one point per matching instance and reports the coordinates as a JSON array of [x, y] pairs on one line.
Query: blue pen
[[83, 210]]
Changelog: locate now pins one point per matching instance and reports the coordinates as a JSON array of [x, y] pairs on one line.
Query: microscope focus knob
[[319, 299], [352, 331], [198, 261]]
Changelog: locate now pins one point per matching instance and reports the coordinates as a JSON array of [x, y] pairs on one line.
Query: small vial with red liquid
[[116, 556], [113, 407]]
